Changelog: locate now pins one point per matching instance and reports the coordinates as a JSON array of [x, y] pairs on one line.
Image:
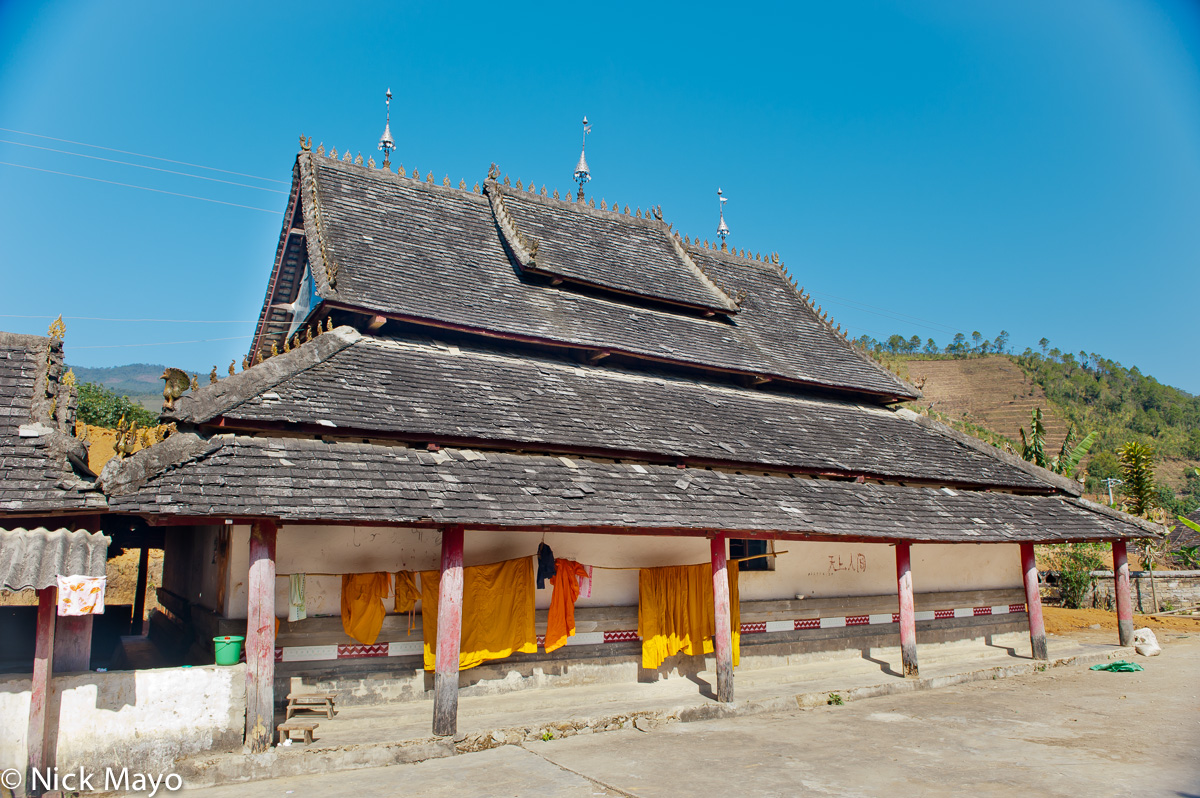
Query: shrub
[[1075, 563], [102, 407]]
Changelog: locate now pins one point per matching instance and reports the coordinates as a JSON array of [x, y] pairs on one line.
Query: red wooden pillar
[[722, 637], [1124, 599], [260, 638], [449, 634], [908, 618], [1033, 602], [41, 730]]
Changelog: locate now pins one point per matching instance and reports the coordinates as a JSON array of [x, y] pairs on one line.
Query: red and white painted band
[[414, 647]]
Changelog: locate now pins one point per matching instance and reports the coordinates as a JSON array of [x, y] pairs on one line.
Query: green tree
[[1137, 469], [1044, 343], [1001, 342], [102, 407], [931, 347]]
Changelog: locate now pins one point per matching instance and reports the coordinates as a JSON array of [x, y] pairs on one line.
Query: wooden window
[[739, 547]]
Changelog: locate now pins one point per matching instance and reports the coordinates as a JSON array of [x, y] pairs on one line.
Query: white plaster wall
[[812, 569], [143, 720]]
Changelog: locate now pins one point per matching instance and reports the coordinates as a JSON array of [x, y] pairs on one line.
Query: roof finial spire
[[386, 142], [582, 175], [722, 228]]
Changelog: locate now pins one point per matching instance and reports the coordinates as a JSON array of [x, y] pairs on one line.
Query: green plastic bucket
[[228, 649]]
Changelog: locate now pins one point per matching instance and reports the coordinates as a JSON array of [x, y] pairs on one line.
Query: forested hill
[[982, 387]]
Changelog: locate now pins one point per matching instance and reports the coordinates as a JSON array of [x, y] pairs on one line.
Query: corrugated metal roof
[[33, 558]]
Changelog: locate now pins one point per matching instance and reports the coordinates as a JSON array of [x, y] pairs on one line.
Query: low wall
[[1177, 588], [315, 654], [143, 720]]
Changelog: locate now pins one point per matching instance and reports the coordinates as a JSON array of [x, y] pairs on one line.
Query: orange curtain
[[676, 613], [497, 617], [560, 621], [362, 605]]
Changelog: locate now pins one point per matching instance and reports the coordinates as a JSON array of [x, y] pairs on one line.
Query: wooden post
[[1124, 601], [139, 597], [260, 638], [73, 644], [722, 638], [41, 730], [1033, 602], [449, 634], [908, 618]]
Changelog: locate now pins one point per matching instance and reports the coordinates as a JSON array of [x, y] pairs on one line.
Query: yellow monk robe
[[497, 617], [407, 596], [675, 612], [560, 620], [362, 605]]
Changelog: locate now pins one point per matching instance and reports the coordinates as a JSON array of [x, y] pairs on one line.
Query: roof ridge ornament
[[722, 228], [582, 173], [386, 142]]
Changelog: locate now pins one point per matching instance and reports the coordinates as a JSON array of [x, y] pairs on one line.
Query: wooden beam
[[139, 596], [908, 618], [73, 644], [375, 323], [1033, 602], [41, 731], [722, 638], [260, 638], [449, 634], [1124, 599], [223, 536]]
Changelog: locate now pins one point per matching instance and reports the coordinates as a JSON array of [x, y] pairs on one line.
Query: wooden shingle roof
[[426, 390], [434, 255], [299, 479], [43, 468]]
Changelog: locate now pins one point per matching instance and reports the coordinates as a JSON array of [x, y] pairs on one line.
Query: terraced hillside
[[991, 392]]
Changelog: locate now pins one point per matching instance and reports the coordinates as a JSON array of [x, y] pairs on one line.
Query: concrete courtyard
[[1066, 731]]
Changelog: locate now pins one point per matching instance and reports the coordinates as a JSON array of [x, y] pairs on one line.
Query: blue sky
[[921, 167]]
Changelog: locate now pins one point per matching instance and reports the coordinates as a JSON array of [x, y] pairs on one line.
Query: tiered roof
[[523, 361]]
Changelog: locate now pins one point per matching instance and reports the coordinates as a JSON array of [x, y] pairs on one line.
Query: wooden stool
[[287, 727], [315, 702]]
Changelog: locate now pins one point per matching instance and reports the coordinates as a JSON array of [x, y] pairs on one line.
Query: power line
[[142, 155], [97, 318], [141, 166], [143, 188], [161, 343]]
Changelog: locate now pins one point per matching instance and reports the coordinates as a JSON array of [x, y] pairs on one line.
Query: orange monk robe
[[676, 613], [497, 614], [560, 621], [362, 605]]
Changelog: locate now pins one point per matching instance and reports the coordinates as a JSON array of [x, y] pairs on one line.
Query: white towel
[[296, 608], [81, 595]]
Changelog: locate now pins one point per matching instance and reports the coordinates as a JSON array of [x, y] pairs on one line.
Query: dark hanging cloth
[[546, 568]]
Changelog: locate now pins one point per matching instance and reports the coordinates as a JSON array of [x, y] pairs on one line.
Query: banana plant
[[1033, 447]]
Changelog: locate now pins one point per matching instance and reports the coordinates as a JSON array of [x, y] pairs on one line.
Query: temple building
[[445, 379]]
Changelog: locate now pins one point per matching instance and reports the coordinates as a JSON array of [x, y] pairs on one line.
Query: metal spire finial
[[386, 142], [722, 228], [582, 174]]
